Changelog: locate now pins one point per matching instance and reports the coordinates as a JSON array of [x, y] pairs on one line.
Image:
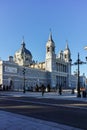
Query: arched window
[[48, 49]]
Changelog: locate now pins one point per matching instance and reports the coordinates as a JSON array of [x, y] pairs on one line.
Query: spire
[[67, 47], [50, 41], [50, 36], [23, 43]]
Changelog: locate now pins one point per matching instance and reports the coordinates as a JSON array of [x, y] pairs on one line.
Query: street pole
[[78, 85], [24, 79], [23, 56], [78, 62]]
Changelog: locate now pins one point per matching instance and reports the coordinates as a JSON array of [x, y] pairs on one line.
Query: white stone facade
[[55, 70]]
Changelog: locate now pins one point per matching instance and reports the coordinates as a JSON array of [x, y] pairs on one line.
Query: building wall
[[13, 75], [56, 70], [1, 71]]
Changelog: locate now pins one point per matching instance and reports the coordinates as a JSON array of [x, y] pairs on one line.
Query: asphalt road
[[73, 113]]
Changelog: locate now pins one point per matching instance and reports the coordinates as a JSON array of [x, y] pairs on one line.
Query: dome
[[25, 51], [23, 56]]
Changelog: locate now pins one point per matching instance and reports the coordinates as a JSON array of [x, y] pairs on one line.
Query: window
[[65, 56], [48, 49]]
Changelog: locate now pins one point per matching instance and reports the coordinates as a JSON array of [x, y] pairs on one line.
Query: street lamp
[[78, 62], [24, 79], [69, 71], [23, 57]]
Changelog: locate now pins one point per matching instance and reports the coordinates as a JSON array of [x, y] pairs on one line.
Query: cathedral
[[21, 70]]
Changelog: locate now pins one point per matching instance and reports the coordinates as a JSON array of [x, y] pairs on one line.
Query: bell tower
[[67, 53], [50, 54]]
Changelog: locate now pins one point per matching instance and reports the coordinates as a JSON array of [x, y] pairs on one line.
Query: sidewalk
[[54, 95], [11, 121]]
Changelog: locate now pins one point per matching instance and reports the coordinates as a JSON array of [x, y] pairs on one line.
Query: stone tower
[[50, 63], [67, 58], [50, 54], [67, 53]]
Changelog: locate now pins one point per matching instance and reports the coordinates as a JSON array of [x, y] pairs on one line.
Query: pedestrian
[[43, 89], [60, 89], [57, 88]]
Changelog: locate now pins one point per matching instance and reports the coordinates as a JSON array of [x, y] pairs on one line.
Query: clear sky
[[33, 20]]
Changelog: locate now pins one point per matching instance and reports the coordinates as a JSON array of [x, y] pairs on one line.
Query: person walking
[[60, 89], [43, 89]]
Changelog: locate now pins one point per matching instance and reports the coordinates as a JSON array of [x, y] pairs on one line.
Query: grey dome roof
[[24, 50]]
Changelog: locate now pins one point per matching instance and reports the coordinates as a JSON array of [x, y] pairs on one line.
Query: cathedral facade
[[21, 70]]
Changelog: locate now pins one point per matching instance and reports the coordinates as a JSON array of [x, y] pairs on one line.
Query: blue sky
[[33, 20]]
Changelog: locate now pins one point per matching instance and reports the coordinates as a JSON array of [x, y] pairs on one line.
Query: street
[[68, 112]]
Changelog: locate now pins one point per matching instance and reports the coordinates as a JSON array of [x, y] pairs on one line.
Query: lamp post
[[23, 57], [78, 84], [78, 62], [24, 79], [70, 62]]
